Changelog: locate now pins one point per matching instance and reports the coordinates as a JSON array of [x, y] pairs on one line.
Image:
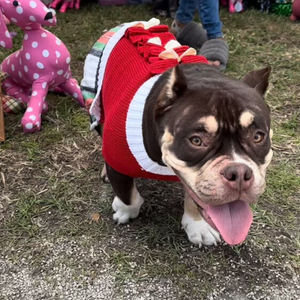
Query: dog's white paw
[[200, 232], [125, 212]]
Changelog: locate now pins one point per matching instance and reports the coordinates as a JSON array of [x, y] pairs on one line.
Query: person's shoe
[[176, 27], [191, 34]]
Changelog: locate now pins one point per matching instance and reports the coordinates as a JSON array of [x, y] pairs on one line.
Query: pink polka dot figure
[[65, 4], [41, 64]]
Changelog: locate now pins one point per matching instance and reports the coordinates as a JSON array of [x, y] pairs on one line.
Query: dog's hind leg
[[198, 230], [128, 201], [103, 175]]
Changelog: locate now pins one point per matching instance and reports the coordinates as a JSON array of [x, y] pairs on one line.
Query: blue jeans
[[208, 12]]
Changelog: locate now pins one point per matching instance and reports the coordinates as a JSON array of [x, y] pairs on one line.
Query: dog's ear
[[5, 37], [258, 79], [174, 87]]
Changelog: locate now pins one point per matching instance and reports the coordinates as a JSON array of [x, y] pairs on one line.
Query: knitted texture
[[132, 62], [126, 70], [89, 84]]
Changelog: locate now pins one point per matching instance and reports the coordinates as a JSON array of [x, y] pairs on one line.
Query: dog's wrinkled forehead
[[225, 111]]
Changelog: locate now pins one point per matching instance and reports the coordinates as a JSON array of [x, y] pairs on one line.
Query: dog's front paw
[[125, 212], [200, 232]]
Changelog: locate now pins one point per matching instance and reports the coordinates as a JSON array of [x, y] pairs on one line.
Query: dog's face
[[215, 134]]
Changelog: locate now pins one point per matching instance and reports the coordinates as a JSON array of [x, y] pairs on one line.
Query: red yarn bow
[[154, 44]]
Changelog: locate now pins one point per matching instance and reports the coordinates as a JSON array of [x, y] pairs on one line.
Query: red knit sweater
[[131, 63]]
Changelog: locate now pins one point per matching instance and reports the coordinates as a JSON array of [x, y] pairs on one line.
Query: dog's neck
[[152, 135]]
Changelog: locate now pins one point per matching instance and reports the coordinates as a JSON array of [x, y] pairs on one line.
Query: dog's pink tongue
[[233, 220]]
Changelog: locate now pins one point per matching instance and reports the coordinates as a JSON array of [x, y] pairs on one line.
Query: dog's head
[[27, 14], [215, 134]]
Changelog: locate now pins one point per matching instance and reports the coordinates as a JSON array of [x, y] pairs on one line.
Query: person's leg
[[210, 18], [208, 37], [186, 11]]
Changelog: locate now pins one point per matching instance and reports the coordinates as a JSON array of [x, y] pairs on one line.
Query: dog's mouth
[[232, 220]]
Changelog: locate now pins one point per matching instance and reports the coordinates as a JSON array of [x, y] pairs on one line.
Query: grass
[[50, 181]]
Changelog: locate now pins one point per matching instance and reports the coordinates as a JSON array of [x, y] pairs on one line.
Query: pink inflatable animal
[[295, 10], [66, 4], [42, 63]]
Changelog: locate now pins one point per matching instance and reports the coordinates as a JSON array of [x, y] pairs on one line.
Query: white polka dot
[[32, 4], [14, 20], [58, 42], [38, 124], [26, 37], [2, 43], [27, 55], [19, 10], [36, 76], [44, 106], [44, 35], [68, 60], [7, 34], [75, 95], [45, 53], [12, 67], [28, 27], [60, 72], [17, 53], [29, 125], [40, 65], [34, 44], [32, 117], [50, 20], [44, 85], [20, 61], [34, 93], [57, 54], [26, 69], [20, 74], [8, 61], [32, 18], [7, 85]]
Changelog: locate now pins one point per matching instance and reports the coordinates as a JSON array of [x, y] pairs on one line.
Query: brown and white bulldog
[[214, 133], [197, 125]]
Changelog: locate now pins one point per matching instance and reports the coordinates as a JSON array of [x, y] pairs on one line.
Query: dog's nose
[[48, 16], [238, 176]]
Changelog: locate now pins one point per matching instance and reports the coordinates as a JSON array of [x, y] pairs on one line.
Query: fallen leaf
[[95, 217]]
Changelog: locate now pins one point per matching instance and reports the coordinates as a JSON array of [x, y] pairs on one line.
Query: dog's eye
[[258, 137], [196, 141], [15, 3]]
